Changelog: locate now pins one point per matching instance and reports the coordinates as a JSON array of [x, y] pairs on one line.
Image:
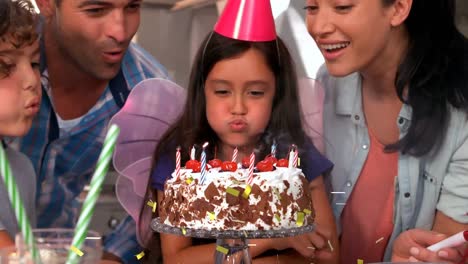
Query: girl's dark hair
[[285, 121], [18, 22], [435, 70]]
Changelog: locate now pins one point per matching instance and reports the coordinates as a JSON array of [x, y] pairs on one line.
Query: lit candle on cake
[[177, 170], [251, 168], [203, 164], [192, 153], [296, 156], [291, 159], [234, 155]]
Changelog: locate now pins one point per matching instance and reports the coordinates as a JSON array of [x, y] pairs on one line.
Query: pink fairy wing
[[132, 202], [151, 107], [312, 96]]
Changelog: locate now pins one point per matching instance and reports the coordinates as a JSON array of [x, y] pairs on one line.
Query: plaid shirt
[[65, 163]]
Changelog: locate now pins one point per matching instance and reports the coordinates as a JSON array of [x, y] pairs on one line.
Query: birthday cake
[[277, 197]]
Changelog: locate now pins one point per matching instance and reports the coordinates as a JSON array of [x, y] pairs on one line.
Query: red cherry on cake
[[229, 166], [197, 167], [271, 159], [191, 164], [264, 166], [282, 163], [246, 162], [215, 163]]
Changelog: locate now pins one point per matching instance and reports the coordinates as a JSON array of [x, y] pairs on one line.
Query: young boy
[[20, 98]]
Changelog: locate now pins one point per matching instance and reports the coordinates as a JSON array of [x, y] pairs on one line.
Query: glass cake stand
[[231, 245]]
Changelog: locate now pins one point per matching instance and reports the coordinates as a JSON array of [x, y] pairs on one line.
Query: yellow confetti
[[307, 211], [277, 218], [233, 192], [153, 205], [184, 232], [300, 219], [77, 251], [245, 233], [140, 255], [223, 250], [276, 191], [189, 180], [298, 162], [211, 215], [247, 191], [360, 261]]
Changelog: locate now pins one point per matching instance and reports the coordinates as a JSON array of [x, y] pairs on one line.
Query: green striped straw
[[97, 180], [17, 203]]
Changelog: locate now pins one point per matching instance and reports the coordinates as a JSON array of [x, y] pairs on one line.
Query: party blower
[[453, 241]]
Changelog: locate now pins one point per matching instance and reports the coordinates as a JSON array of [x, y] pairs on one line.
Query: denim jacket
[[437, 181]]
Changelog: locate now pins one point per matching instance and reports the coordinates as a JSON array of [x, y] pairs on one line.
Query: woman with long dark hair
[[396, 119]]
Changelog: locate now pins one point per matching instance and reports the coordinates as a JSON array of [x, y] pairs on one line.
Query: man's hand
[[410, 246]]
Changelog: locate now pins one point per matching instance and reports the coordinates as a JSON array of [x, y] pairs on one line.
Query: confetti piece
[[245, 233], [184, 232], [140, 255], [77, 251], [277, 218], [238, 221], [223, 250], [338, 192], [189, 180], [211, 215], [252, 245], [379, 240], [307, 211], [233, 192], [153, 205], [300, 219], [340, 203], [277, 193], [298, 162], [360, 261], [247, 191], [330, 245], [311, 247]]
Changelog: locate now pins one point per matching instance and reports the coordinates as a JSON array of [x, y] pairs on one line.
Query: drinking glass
[[54, 246]]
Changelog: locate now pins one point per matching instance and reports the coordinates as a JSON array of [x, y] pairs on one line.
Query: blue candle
[[203, 164]]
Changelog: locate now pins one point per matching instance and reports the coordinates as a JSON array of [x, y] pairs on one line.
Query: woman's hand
[[314, 245], [411, 246]]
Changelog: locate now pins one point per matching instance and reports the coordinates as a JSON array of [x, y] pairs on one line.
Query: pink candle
[[234, 155], [291, 159], [177, 170], [251, 168], [295, 158]]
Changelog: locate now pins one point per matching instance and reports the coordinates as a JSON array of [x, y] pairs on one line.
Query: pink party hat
[[249, 20]]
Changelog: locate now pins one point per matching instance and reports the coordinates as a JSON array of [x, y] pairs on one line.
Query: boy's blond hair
[[18, 22]]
